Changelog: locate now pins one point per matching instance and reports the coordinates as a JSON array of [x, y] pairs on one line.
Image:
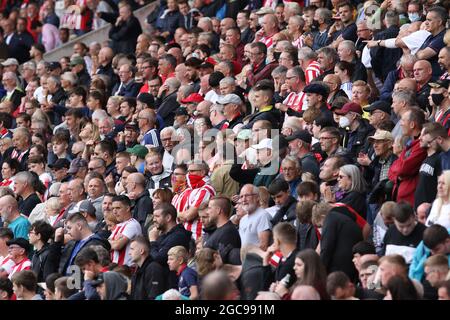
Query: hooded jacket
[[142, 208], [149, 280], [116, 286], [286, 213]]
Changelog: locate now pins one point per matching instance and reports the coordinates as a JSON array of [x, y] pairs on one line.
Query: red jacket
[[404, 172]]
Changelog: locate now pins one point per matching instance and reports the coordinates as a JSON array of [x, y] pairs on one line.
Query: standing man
[[125, 31]]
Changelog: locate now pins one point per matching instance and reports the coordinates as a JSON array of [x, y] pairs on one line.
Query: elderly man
[[259, 69], [166, 101], [423, 73], [147, 126], [24, 187], [127, 87], [10, 214], [327, 58], [168, 140], [347, 52], [232, 106], [11, 84], [307, 61], [253, 221], [292, 91], [405, 70], [125, 31]]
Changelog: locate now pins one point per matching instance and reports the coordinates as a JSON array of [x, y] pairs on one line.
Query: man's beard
[[250, 208]]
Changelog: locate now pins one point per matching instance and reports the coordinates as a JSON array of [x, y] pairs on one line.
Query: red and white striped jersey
[[296, 101], [129, 229], [7, 264], [268, 41], [25, 264], [193, 198], [312, 71]]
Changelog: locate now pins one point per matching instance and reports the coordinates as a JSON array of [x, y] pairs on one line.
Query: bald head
[[270, 23], [203, 108], [406, 84], [137, 178], [217, 286], [8, 208], [305, 293], [422, 71]]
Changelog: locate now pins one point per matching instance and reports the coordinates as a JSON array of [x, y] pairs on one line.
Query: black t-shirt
[[224, 236], [427, 185], [397, 243], [27, 205]]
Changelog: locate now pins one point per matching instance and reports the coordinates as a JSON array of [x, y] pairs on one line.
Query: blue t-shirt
[[445, 160], [188, 278], [20, 227]]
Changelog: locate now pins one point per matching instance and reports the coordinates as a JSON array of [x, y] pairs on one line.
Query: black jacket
[[64, 252], [306, 236], [384, 60], [44, 262], [20, 45], [166, 108], [339, 234], [149, 281], [177, 236], [143, 206], [357, 138], [286, 213], [124, 37], [281, 271]]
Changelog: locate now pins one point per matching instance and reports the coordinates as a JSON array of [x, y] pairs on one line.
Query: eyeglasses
[[14, 247], [242, 196], [325, 138]]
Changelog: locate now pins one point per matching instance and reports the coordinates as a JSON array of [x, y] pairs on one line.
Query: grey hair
[[255, 189], [173, 84], [24, 176], [349, 45], [204, 166], [99, 114], [171, 294], [172, 130], [217, 107], [406, 96], [293, 160], [186, 89], [280, 70], [329, 53], [72, 78], [30, 64], [228, 81], [109, 119], [324, 13], [358, 182], [408, 58], [306, 53], [56, 80]]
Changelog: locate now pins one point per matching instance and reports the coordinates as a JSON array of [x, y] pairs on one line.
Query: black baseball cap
[[379, 105], [300, 134], [59, 164], [21, 242]]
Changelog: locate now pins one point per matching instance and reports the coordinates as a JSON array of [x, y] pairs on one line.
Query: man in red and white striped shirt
[[124, 232], [307, 60], [293, 87], [269, 29], [6, 264], [18, 251], [199, 191]]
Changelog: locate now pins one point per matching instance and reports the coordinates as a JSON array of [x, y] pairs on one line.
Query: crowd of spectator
[[225, 150]]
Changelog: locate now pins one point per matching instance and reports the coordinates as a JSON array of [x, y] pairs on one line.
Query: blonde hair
[[178, 252], [439, 201], [53, 204]]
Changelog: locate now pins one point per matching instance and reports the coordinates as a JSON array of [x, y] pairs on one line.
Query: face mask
[[344, 122], [276, 55], [437, 98], [413, 17], [195, 180]]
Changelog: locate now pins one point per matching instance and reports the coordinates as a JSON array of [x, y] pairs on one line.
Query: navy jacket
[[177, 236]]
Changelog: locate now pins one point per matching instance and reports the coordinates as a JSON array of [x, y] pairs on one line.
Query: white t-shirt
[[442, 218], [130, 229], [252, 225]]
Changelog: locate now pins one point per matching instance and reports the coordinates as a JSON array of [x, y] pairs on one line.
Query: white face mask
[[344, 122], [413, 17]]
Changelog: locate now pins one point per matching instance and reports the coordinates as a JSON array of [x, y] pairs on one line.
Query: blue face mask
[[413, 17]]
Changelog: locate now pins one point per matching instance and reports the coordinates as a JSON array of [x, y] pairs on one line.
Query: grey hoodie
[[116, 286]]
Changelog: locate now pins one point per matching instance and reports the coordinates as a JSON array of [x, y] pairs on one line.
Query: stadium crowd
[[226, 150]]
